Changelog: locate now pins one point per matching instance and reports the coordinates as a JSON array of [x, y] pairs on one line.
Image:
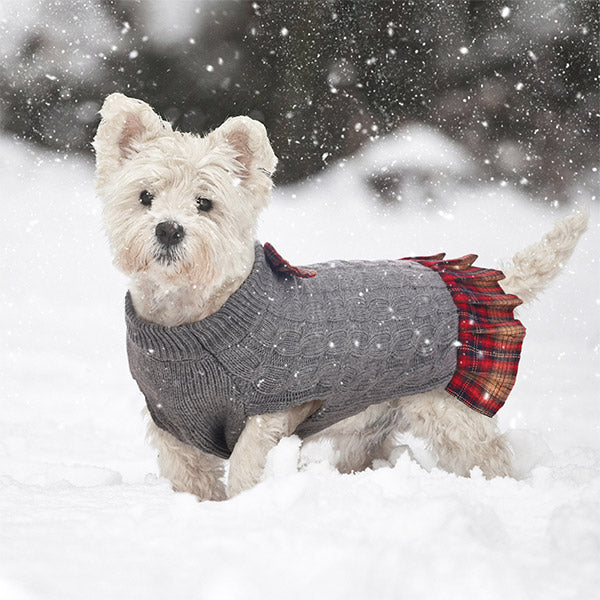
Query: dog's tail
[[535, 267]]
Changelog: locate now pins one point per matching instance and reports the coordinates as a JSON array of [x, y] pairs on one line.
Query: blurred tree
[[515, 81]]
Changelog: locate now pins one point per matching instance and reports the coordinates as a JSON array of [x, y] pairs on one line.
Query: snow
[[416, 146], [84, 514], [59, 32], [173, 22]]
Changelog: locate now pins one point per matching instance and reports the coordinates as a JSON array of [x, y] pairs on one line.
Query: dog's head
[[179, 208]]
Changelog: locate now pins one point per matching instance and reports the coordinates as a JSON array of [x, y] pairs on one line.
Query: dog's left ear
[[251, 144]]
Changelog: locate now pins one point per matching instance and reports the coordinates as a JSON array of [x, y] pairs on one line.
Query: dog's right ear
[[126, 124]]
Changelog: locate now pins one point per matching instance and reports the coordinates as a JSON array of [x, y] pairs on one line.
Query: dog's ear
[[249, 140], [125, 124]]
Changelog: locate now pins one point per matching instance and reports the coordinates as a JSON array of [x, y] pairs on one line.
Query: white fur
[[218, 250], [232, 166]]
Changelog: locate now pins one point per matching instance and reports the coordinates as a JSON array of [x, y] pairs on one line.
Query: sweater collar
[[242, 311]]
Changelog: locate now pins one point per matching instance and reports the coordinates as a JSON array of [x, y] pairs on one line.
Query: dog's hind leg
[[187, 468], [460, 437], [363, 438], [260, 434]]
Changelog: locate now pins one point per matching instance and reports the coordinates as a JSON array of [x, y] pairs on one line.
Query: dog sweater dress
[[350, 334]]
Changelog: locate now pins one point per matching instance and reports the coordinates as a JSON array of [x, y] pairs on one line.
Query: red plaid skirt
[[490, 337]]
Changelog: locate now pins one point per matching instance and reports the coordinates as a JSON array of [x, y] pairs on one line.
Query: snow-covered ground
[[84, 515]]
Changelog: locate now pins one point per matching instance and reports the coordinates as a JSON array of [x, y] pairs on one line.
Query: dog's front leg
[[187, 468], [260, 434]]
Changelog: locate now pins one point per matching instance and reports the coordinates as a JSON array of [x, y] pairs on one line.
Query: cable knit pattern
[[356, 334]]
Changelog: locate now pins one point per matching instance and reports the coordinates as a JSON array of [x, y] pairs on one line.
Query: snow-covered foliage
[[515, 82], [82, 513]]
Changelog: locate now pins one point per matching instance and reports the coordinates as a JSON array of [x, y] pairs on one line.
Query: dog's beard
[[167, 257], [182, 265]]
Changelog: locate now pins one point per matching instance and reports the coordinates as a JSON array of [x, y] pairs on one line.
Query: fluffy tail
[[535, 267]]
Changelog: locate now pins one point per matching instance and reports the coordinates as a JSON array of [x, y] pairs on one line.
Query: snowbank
[[83, 514]]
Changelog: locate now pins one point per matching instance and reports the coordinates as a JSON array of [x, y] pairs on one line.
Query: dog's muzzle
[[169, 235]]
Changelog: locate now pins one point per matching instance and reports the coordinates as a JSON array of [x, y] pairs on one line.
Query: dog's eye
[[204, 204], [146, 198]]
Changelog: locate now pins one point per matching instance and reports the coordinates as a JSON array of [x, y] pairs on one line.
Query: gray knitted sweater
[[356, 334]]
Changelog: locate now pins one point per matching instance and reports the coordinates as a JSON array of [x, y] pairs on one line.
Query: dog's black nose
[[169, 233]]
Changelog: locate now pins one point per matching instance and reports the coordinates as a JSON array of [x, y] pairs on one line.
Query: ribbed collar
[[228, 326]]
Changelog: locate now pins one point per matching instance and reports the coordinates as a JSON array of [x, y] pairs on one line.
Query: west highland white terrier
[[234, 348]]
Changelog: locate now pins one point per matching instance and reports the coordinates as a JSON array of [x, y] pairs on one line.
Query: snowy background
[[83, 513]]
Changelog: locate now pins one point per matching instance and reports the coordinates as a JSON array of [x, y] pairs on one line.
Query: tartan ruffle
[[490, 337]]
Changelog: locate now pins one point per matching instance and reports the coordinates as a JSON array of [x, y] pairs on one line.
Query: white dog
[[181, 213]]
